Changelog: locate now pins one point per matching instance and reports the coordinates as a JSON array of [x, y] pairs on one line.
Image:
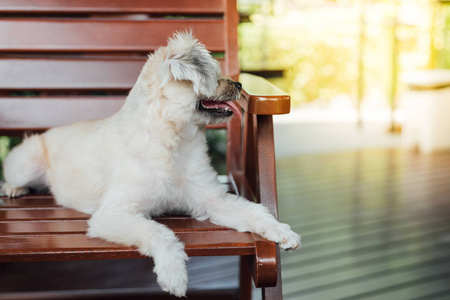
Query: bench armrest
[[260, 97]]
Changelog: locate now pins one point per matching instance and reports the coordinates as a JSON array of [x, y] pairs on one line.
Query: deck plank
[[375, 224]]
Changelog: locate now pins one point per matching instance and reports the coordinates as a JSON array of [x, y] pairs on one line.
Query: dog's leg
[[153, 239], [25, 167], [243, 215]]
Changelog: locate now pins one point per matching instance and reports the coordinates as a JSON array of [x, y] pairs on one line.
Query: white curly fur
[[147, 159]]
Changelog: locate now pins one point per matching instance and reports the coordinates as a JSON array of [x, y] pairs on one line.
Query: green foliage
[[217, 146], [314, 67], [6, 144], [442, 44], [327, 48], [4, 147]]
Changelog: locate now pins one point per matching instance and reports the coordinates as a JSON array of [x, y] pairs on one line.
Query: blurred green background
[[353, 47]]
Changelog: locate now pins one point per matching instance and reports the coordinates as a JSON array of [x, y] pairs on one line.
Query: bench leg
[[245, 279], [274, 293]]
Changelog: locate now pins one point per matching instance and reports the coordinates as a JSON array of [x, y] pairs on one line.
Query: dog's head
[[189, 76]]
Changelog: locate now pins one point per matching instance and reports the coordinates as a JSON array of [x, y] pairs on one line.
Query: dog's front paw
[[171, 271], [284, 236], [173, 279], [174, 282], [290, 242]]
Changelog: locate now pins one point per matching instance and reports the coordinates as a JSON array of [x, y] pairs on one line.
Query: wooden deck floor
[[375, 224]]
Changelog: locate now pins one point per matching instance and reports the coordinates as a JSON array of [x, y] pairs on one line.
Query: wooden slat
[[73, 247], [232, 46], [73, 74], [177, 224], [9, 229], [42, 113], [189, 225], [40, 35], [113, 6], [18, 115], [41, 214], [28, 202]]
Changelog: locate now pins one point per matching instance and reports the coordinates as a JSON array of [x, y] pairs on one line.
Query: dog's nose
[[238, 85]]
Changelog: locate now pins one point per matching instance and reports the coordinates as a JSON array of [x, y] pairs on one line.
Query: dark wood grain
[[37, 114], [266, 174], [41, 214], [76, 246], [249, 153], [89, 35], [234, 148], [260, 97], [74, 74], [266, 164], [266, 258], [113, 6], [232, 47], [48, 226]]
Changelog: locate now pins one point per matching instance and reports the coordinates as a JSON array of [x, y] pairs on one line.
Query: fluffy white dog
[[148, 159]]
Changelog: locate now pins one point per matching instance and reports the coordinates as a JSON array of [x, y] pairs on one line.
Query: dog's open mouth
[[220, 108]]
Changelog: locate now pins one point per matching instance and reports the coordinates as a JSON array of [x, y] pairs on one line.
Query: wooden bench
[[63, 61]]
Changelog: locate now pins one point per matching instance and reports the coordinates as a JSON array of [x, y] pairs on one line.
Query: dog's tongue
[[230, 104]]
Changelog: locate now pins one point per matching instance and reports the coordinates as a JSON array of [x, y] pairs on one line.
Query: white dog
[[147, 159]]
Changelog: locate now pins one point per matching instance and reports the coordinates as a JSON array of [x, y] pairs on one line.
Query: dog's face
[[190, 77], [220, 106]]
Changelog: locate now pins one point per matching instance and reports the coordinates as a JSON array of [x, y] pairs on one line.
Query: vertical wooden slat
[[259, 162], [266, 163], [267, 186], [250, 153], [245, 278], [231, 46], [234, 145]]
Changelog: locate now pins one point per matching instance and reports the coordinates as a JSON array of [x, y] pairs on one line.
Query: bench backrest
[[62, 60]]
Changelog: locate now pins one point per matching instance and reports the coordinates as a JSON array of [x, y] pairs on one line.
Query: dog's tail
[[25, 167]]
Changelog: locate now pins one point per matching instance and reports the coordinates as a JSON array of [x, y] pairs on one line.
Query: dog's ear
[[187, 59]]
